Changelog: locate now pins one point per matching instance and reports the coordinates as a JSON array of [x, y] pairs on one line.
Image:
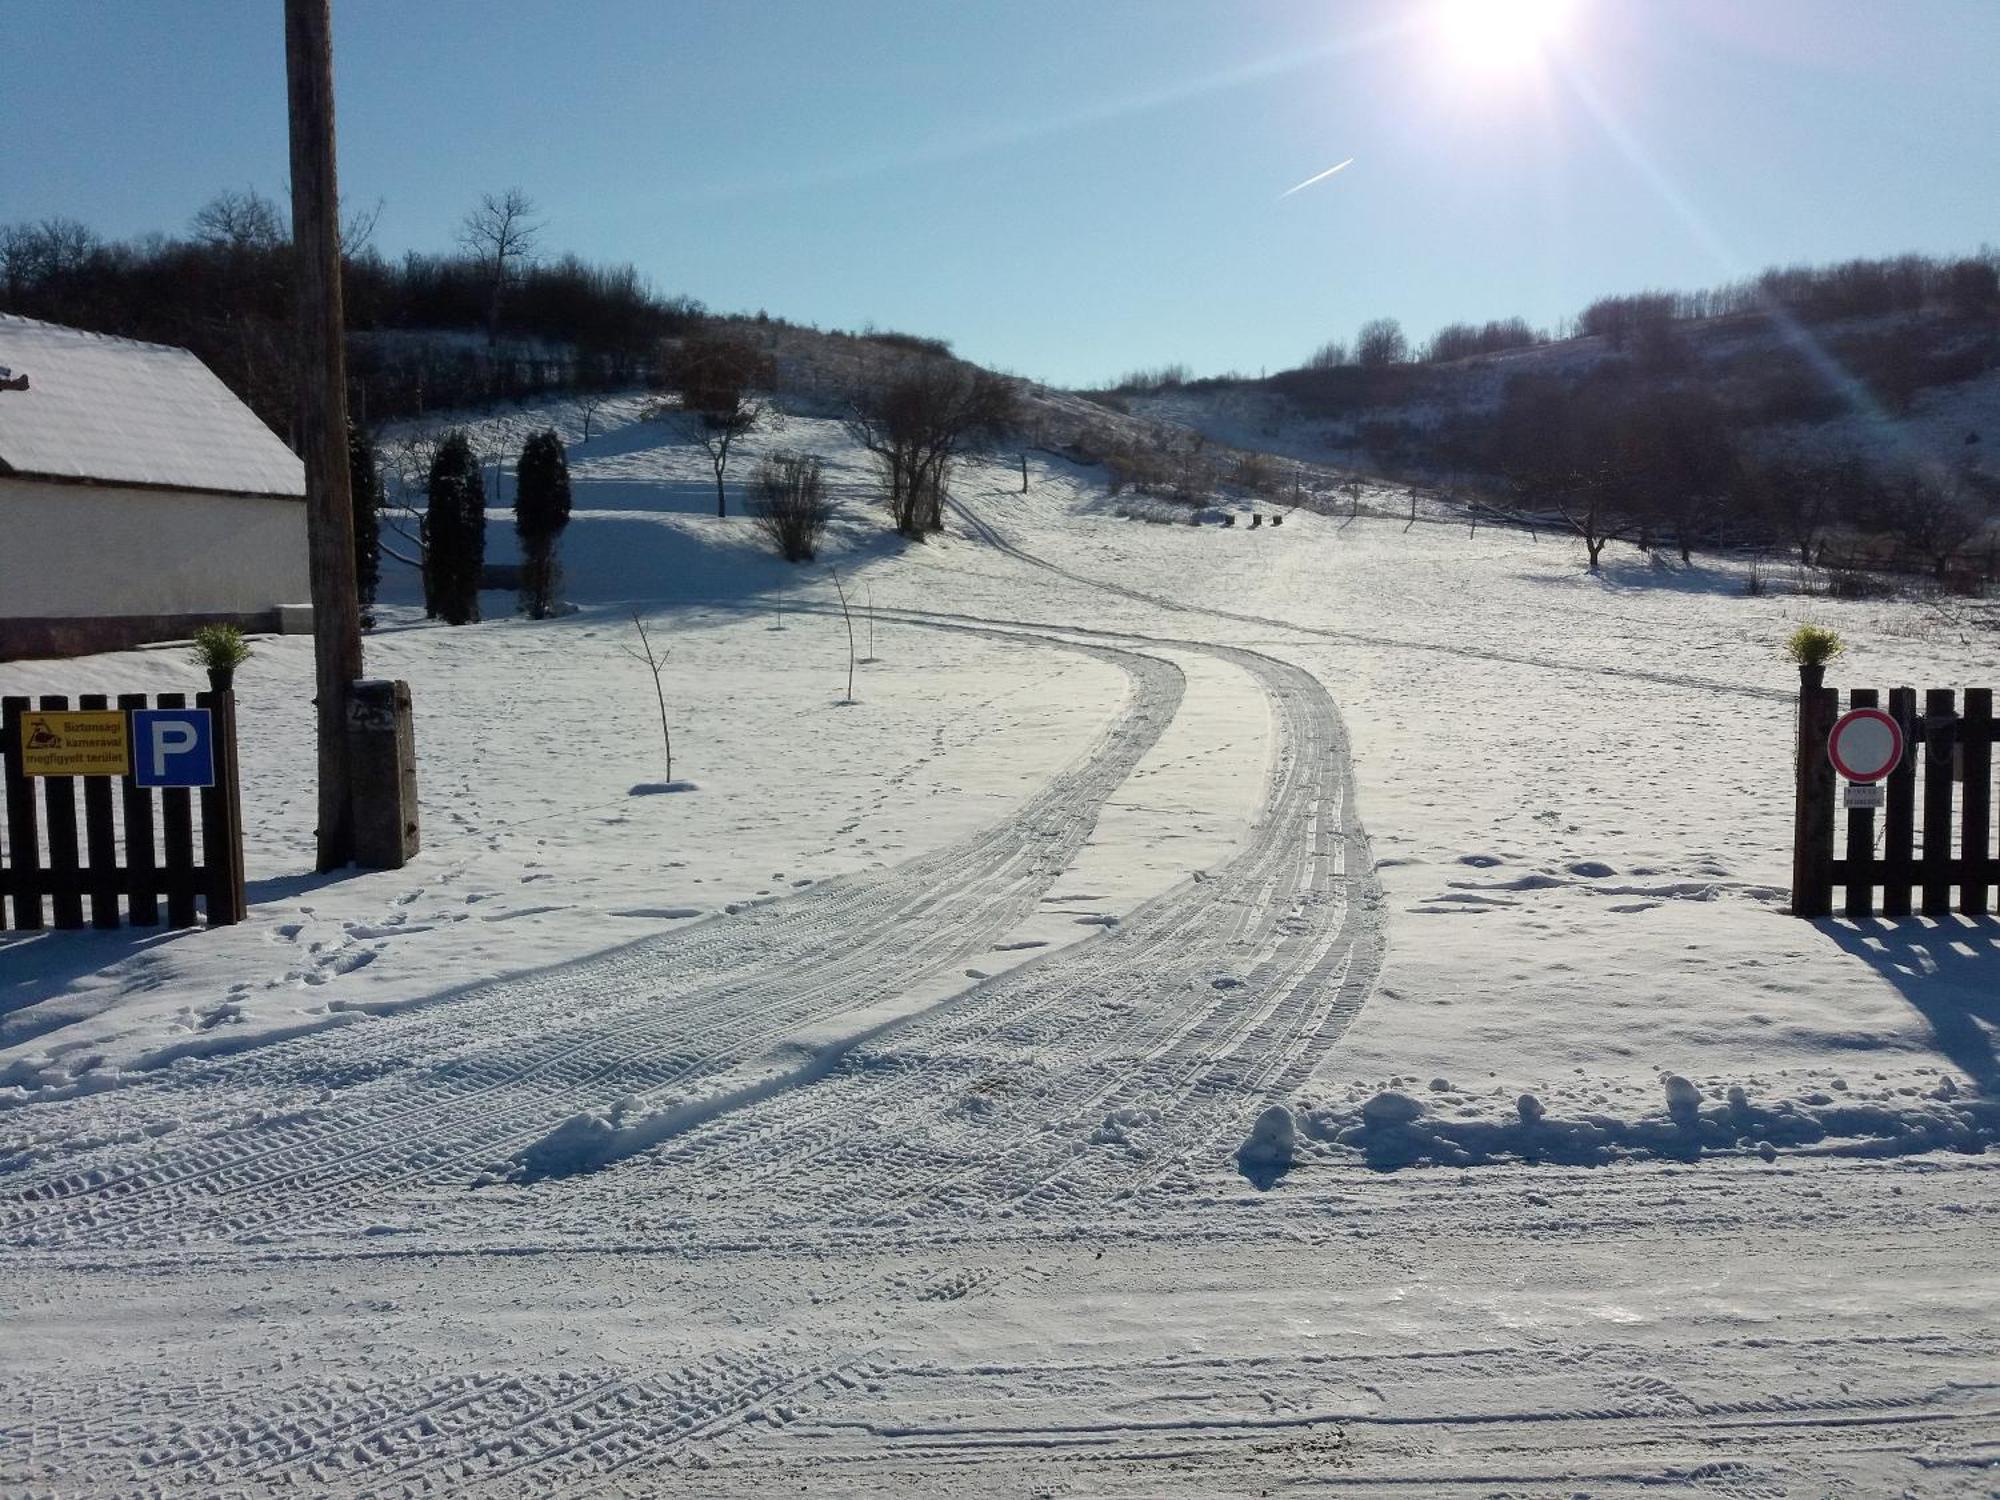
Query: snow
[[116, 411], [1222, 1011]]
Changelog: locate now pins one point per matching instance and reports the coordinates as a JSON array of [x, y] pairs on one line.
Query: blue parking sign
[[172, 747]]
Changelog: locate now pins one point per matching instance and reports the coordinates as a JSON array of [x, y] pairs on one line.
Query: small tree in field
[[541, 511], [790, 504], [1935, 514], [455, 532], [916, 416], [719, 378], [655, 661], [365, 482]]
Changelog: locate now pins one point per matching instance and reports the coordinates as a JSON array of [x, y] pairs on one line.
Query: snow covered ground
[[1224, 1011]]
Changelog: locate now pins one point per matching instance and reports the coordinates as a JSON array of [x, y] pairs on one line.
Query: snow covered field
[[891, 1110]]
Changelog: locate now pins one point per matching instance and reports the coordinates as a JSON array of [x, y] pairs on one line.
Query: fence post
[[222, 816], [24, 836], [1812, 836]]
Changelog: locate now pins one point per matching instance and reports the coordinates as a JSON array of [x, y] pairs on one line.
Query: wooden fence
[[139, 843], [1934, 852]]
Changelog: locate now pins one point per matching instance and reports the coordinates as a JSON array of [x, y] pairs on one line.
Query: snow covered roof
[[116, 411]]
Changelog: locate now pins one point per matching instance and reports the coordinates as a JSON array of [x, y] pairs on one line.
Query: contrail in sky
[[1320, 178]]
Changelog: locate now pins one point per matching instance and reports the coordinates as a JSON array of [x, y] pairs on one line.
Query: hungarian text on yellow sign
[[86, 742]]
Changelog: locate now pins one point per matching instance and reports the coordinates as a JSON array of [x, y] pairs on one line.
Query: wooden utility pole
[[322, 368]]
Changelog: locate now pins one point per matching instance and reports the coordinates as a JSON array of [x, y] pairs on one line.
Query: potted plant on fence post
[[221, 649], [1812, 647]]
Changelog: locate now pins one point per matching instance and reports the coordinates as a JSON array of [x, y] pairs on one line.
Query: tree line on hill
[[1962, 289], [524, 324]]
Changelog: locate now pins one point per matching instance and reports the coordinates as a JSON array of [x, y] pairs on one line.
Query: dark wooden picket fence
[[141, 846], [1935, 853]]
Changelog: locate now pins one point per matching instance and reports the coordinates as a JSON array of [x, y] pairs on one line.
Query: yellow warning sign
[[86, 742]]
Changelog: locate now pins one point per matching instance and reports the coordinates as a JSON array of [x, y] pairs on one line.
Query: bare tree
[[718, 378], [44, 252], [1381, 342], [1328, 356], [655, 661], [1801, 496], [1936, 514], [357, 228], [587, 406], [790, 504], [239, 220], [916, 416], [501, 234], [849, 618]]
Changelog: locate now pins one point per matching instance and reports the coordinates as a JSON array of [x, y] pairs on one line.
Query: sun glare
[[1499, 36]]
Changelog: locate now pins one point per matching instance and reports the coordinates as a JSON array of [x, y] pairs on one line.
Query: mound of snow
[[1267, 1153], [1391, 1130]]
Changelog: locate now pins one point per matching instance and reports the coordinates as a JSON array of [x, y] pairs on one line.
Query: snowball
[[1272, 1139], [1683, 1098], [1440, 1085], [1530, 1108], [1389, 1109]]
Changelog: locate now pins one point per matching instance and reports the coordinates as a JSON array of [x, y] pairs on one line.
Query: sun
[[1500, 36]]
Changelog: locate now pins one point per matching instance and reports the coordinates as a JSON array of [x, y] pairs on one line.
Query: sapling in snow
[[655, 661], [850, 632]]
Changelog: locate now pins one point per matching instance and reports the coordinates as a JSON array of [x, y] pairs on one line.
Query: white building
[[138, 498]]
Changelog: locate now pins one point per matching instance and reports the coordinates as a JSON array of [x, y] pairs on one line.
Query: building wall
[[86, 567]]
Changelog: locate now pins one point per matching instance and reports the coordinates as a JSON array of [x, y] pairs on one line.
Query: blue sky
[[1065, 190]]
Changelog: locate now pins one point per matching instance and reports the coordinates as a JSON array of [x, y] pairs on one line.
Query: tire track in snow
[[502, 1064], [992, 536], [1132, 1019]]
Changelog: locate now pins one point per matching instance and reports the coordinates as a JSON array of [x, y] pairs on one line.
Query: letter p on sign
[[173, 747]]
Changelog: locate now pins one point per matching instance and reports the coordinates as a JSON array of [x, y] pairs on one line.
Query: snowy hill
[[1821, 387]]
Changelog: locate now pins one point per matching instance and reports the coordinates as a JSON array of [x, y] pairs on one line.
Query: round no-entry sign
[[1866, 744]]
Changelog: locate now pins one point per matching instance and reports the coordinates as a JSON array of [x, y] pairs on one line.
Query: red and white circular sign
[[1866, 744]]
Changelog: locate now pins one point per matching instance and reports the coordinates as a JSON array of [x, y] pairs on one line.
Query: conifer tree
[[455, 529], [541, 511], [365, 482]]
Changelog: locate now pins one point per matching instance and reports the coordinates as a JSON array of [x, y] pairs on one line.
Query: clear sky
[[1066, 190]]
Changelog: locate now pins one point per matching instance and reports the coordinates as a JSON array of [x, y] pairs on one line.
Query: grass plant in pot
[[221, 649], [1812, 647]]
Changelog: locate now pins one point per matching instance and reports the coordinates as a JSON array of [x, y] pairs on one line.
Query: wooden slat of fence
[[1976, 802], [1899, 811], [141, 867], [177, 829], [1933, 869], [1861, 871], [59, 808], [24, 834], [1812, 838], [100, 837]]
